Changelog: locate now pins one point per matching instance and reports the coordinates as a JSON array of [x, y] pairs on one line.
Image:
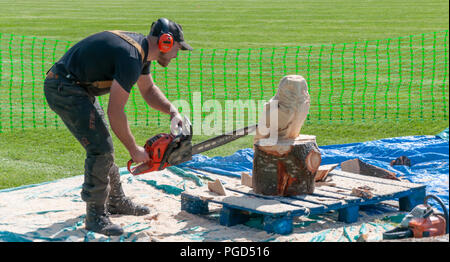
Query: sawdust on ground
[[55, 212]]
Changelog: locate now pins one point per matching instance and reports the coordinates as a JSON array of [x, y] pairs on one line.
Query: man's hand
[[176, 122], [139, 155]]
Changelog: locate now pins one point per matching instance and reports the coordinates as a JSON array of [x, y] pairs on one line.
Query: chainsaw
[[422, 221], [167, 150]]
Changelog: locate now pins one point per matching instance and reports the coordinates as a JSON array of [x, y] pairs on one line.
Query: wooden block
[[278, 225], [407, 203], [193, 205], [246, 179], [217, 187], [359, 167], [323, 171], [231, 216], [403, 160], [349, 214]]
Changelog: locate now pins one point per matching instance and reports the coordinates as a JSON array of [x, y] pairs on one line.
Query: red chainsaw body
[[433, 225], [155, 147], [166, 150]]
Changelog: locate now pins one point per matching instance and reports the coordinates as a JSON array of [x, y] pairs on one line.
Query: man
[[110, 62]]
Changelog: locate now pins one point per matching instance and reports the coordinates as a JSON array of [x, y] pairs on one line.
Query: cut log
[[217, 187], [287, 168], [358, 167]]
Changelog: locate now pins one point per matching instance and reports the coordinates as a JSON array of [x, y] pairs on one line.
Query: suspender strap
[[131, 41]]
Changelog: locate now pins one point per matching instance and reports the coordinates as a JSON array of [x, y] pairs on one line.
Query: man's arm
[[157, 100], [153, 95], [119, 124]]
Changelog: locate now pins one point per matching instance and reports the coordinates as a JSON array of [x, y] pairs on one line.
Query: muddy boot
[[117, 203], [97, 220]]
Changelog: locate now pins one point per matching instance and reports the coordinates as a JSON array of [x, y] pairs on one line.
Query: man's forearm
[[120, 127], [157, 100]]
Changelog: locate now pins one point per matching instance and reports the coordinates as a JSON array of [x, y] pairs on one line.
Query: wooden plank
[[347, 198], [329, 203], [338, 191], [378, 188], [346, 189], [315, 203], [312, 207], [383, 181], [245, 202], [348, 193]]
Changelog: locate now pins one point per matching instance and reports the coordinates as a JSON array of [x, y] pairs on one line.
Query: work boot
[[97, 220], [124, 206], [117, 203]]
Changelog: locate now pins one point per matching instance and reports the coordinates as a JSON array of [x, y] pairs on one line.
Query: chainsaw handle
[[442, 206], [129, 165]]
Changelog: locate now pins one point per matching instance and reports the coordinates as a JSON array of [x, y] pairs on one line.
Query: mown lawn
[[36, 155]]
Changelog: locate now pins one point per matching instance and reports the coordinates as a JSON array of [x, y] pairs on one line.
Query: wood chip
[[246, 179], [363, 192], [323, 171], [152, 217], [318, 184], [217, 187]]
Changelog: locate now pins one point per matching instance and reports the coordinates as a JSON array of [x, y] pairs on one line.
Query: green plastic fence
[[405, 78]]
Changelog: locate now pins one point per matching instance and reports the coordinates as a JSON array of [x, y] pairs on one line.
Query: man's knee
[[98, 148]]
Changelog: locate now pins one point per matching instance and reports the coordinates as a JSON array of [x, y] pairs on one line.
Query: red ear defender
[[165, 43]]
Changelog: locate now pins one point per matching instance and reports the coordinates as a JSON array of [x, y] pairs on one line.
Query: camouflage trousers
[[85, 118]]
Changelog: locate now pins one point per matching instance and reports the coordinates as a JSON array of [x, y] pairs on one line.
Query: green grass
[[231, 23], [37, 155]]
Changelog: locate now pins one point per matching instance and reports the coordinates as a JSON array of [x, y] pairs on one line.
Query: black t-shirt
[[106, 56]]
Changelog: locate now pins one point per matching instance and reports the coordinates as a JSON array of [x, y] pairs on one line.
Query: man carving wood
[[110, 62]]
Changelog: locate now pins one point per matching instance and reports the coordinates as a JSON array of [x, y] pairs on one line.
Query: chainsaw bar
[[222, 139]]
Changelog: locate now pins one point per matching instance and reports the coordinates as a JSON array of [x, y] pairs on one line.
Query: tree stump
[[287, 168]]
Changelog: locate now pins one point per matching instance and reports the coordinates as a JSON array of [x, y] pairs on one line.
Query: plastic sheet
[[444, 134]]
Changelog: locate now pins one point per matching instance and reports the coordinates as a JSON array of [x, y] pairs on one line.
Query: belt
[[51, 75], [97, 84]]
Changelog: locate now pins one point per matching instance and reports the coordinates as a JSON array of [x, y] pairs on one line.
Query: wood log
[[359, 167], [289, 173]]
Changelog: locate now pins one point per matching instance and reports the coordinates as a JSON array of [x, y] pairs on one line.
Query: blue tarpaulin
[[429, 157]]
